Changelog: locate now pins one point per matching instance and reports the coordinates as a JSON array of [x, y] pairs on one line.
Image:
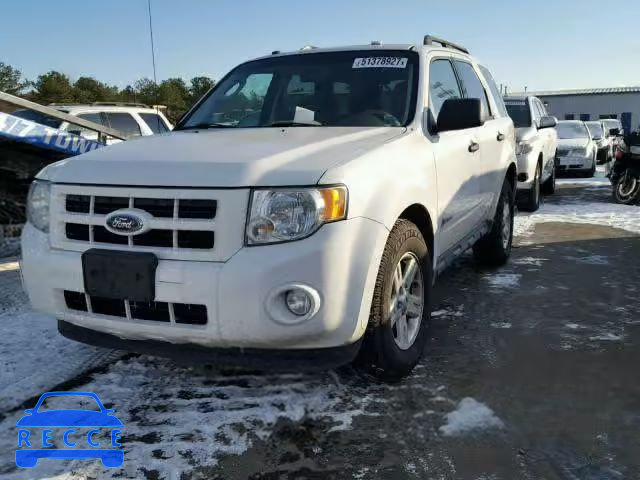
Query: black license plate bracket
[[120, 275]]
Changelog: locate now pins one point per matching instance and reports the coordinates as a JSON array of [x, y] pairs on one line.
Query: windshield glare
[[596, 130], [519, 113], [571, 130], [359, 88]]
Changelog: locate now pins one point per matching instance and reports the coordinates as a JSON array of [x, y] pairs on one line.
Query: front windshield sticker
[[380, 62]]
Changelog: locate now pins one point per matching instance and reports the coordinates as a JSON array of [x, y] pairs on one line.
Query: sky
[[542, 44]]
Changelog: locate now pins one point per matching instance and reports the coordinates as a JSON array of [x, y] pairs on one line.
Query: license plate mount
[[120, 275]]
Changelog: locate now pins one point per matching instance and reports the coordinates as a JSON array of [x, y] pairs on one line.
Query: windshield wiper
[[205, 126], [289, 123]]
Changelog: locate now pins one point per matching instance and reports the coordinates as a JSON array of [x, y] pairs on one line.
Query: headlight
[[522, 148], [284, 215], [38, 205]]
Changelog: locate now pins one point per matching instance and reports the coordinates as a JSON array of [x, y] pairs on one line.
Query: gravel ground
[[530, 373]]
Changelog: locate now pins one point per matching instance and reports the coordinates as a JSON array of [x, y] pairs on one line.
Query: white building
[[592, 104]]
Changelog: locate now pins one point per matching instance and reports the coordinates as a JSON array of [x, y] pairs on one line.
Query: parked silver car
[[577, 149]]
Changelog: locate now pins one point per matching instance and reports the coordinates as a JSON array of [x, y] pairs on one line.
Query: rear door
[[492, 137], [458, 189]]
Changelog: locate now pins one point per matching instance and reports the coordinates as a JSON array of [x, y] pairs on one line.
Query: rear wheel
[[530, 200], [627, 189], [495, 247], [549, 185], [397, 330]]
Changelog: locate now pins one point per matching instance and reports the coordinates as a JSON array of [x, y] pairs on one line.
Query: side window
[[471, 84], [442, 85], [497, 96], [154, 122], [123, 122], [85, 132]]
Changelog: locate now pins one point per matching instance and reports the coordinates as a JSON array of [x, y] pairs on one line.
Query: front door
[[457, 157]]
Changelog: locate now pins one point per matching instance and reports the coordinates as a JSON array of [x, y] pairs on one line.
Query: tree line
[[56, 87]]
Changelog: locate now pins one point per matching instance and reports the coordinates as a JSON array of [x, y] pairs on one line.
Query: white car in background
[[131, 119], [536, 150], [577, 150], [603, 140]]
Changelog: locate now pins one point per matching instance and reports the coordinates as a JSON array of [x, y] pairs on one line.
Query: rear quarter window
[[495, 91]]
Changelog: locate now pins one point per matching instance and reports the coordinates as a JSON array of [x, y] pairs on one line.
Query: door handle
[[500, 136], [474, 147]]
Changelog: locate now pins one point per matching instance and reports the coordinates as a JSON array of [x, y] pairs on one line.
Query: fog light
[[298, 302]]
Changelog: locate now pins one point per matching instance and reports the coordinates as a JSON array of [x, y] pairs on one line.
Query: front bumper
[[340, 262]]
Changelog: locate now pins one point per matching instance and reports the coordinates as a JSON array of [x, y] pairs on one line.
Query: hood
[[223, 157], [525, 133], [573, 142]]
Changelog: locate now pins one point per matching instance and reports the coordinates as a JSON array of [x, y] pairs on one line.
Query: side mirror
[[460, 114], [547, 122], [614, 132]]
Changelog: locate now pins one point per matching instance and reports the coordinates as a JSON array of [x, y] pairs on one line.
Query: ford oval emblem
[[124, 223]]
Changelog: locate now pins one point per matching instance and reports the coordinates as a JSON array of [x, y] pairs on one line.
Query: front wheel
[[397, 331], [530, 201], [549, 185], [626, 190], [495, 247]]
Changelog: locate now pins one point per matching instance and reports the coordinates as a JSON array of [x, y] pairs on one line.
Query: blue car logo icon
[[68, 424]]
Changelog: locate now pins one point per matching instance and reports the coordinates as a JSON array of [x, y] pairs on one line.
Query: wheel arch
[[420, 216]]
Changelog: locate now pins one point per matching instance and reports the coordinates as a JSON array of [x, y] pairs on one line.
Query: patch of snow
[[585, 182], [529, 261], [501, 325], [449, 312], [579, 210], [607, 337], [470, 416], [503, 280], [590, 259], [572, 326]]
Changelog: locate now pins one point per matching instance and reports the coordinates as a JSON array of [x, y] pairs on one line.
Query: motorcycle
[[625, 171]]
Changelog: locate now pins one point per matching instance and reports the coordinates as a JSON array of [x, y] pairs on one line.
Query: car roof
[[103, 108], [570, 121], [309, 50]]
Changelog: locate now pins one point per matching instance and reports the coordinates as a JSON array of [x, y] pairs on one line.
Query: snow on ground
[[33, 356], [577, 209], [503, 280], [470, 416]]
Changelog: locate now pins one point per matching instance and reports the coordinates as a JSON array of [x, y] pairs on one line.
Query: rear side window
[[471, 84], [94, 117], [442, 85], [124, 123], [497, 96], [154, 122]]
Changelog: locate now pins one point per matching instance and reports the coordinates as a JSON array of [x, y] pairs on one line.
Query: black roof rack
[[430, 40]]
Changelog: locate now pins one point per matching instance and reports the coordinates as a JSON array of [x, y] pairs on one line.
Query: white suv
[[299, 212], [131, 119], [536, 149]]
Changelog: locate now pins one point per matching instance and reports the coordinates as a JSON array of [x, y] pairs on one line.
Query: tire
[[530, 201], [592, 172], [626, 191], [494, 248], [549, 186], [388, 352]]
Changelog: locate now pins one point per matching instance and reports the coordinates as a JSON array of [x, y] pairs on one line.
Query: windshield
[[356, 89], [40, 118], [571, 130], [596, 130], [519, 113]]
